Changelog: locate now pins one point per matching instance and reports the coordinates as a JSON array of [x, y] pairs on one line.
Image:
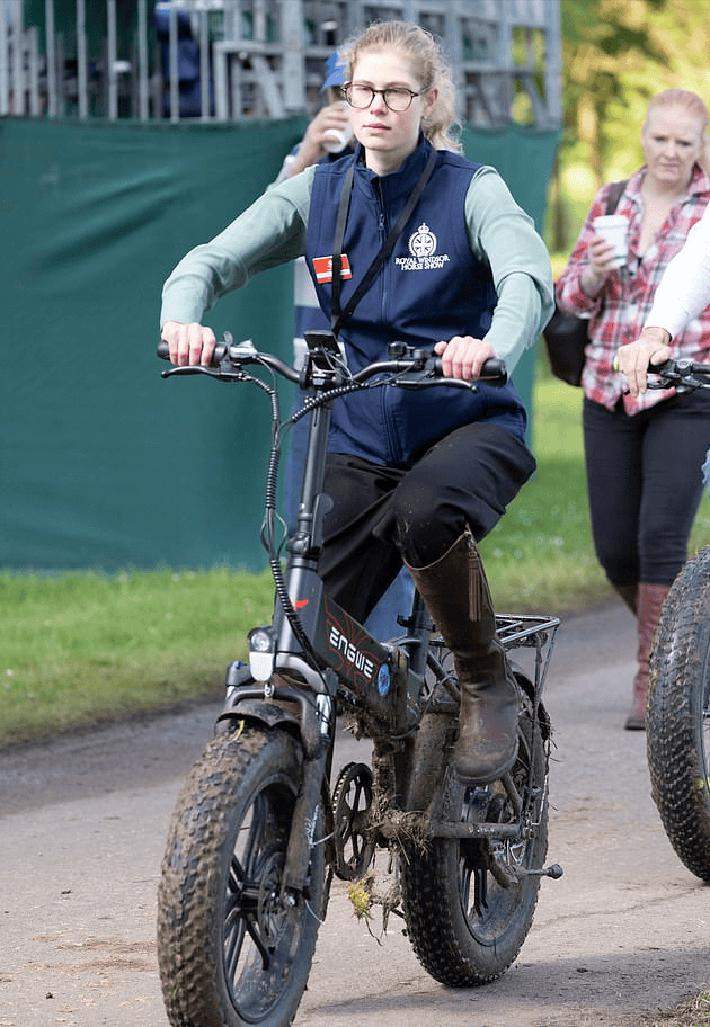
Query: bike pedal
[[554, 871]]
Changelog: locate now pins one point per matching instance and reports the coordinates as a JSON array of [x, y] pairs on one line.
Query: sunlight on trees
[[616, 55]]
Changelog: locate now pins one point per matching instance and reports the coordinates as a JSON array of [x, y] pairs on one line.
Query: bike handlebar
[[493, 371], [241, 355], [681, 373]]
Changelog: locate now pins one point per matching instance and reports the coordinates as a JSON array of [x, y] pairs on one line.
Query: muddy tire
[[220, 875], [465, 928], [678, 717]]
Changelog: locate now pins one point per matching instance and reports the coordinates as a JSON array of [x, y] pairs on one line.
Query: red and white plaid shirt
[[619, 313]]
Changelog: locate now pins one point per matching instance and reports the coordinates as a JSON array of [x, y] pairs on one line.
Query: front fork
[[304, 824]]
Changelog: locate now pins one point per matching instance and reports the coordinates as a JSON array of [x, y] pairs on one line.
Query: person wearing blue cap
[[328, 137], [329, 132]]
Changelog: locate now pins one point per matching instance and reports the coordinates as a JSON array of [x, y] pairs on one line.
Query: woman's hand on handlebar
[[463, 356], [189, 343], [634, 359]]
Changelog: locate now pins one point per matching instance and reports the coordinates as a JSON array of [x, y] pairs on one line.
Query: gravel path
[[625, 933]]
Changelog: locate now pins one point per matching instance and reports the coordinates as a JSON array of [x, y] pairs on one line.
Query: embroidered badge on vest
[[323, 268], [422, 246]]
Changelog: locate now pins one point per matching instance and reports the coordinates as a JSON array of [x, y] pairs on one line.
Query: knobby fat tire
[[680, 680], [437, 927], [199, 848]]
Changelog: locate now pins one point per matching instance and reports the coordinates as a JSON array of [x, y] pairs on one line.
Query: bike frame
[[320, 653], [339, 642]]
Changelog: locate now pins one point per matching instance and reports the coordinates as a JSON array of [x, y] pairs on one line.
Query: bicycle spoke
[[234, 949], [253, 930], [236, 875], [480, 890], [256, 831], [466, 889]]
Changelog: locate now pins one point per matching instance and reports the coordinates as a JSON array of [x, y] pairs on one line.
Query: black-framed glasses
[[396, 98]]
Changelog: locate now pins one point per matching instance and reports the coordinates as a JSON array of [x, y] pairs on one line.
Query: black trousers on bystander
[[645, 485]]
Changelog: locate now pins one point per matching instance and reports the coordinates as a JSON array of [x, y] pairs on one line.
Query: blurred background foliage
[[615, 55]]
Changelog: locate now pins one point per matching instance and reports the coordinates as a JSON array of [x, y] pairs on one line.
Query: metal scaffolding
[[226, 60]]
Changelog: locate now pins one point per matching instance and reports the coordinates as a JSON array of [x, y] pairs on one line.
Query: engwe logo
[[342, 645]]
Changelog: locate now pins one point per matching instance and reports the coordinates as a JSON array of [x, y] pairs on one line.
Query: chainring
[[352, 805]]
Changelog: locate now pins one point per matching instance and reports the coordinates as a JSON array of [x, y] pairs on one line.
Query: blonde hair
[[689, 102], [430, 66]]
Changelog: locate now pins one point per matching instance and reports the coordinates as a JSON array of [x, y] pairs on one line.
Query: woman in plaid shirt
[[643, 450]]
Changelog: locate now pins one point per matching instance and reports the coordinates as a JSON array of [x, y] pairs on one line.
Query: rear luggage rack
[[526, 631]]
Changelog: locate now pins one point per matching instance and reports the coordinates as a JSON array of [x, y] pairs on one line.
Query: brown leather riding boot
[[629, 593], [456, 593], [650, 602]]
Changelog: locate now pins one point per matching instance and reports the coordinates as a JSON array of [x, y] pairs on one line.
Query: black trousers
[[383, 515], [644, 483]]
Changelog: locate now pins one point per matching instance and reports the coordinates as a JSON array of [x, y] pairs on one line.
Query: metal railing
[[225, 60]]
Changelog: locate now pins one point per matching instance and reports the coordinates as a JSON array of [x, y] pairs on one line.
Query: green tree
[[616, 55]]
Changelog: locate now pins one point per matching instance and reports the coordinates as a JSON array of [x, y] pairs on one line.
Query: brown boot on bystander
[[650, 603]]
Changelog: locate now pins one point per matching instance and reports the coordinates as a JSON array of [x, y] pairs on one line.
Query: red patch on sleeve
[[323, 268]]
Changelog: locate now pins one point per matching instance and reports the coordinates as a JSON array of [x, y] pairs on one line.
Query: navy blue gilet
[[431, 287]]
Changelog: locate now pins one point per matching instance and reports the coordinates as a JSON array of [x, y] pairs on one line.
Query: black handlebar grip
[[495, 368], [492, 368], [219, 352]]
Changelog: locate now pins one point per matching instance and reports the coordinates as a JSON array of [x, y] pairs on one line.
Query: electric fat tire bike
[[678, 715], [257, 835]]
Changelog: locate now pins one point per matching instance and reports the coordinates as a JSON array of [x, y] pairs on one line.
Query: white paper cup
[[614, 229], [337, 139]]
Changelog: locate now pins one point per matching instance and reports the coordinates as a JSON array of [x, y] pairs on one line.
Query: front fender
[[261, 711]]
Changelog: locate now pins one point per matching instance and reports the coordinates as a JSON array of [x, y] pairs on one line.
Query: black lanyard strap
[[336, 315]]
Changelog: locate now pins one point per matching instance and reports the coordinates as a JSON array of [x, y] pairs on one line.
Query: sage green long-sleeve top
[[272, 231]]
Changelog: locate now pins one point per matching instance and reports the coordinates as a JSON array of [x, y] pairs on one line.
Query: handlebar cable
[[267, 532]]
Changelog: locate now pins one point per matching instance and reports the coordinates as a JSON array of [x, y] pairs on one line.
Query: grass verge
[[81, 648], [78, 649], [693, 1013]]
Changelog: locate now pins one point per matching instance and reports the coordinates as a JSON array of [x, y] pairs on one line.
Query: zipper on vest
[[382, 225], [386, 412]]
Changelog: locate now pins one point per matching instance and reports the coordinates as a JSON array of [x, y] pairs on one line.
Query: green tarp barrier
[[102, 463]]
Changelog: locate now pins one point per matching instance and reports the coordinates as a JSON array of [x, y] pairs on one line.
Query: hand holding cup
[[602, 256], [330, 130]]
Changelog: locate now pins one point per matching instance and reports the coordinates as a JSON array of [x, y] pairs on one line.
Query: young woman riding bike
[[421, 476]]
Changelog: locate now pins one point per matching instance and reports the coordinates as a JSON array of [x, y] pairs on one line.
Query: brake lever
[[679, 382], [427, 380], [189, 369], [218, 373]]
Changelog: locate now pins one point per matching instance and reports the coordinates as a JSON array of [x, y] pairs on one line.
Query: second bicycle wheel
[[678, 718]]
